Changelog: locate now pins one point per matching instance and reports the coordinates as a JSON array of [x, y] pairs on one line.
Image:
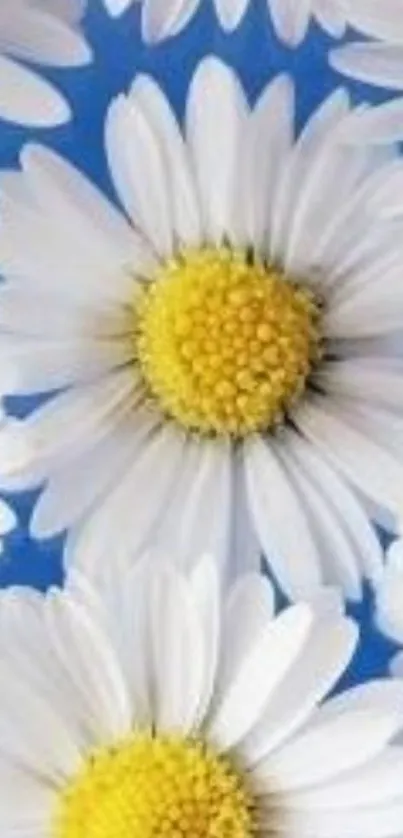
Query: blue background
[[119, 54]]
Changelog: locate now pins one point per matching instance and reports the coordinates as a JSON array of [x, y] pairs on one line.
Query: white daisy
[[39, 32], [165, 18], [229, 379], [157, 708]]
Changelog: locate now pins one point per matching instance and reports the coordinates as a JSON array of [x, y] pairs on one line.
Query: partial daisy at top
[[378, 59], [166, 18], [38, 32], [159, 705], [221, 356]]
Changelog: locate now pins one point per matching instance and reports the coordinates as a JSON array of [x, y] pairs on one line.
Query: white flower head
[[229, 380], [43, 32], [156, 706]]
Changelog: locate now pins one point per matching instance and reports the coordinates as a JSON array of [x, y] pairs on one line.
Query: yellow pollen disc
[[225, 345], [163, 787]]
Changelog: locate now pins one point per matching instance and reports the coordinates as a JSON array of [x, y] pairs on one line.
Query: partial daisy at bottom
[[155, 705], [46, 32], [224, 360]]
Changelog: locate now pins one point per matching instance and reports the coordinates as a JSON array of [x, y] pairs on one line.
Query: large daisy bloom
[[39, 32], [165, 18], [222, 363], [154, 706]]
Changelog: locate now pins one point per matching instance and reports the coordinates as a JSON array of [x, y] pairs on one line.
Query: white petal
[[26, 98], [311, 145], [280, 521], [135, 505], [369, 785], [146, 95], [197, 517], [248, 608], [81, 208], [325, 656], [374, 63], [244, 701], [270, 135], [378, 822], [383, 22], [8, 518], [178, 652], [204, 582], [216, 98], [338, 745], [389, 596], [339, 561], [380, 124], [230, 12], [38, 35], [117, 7], [338, 494], [163, 20], [376, 472], [291, 19], [138, 169], [85, 652]]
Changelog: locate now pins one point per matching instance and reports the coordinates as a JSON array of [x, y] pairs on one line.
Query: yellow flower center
[[225, 344], [163, 787]]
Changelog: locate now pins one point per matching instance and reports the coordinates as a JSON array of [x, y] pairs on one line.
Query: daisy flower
[[39, 32], [157, 707], [165, 18], [222, 363]]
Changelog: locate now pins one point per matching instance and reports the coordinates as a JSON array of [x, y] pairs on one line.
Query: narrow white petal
[[374, 63], [28, 99], [325, 656], [230, 12], [248, 608], [270, 135], [163, 20], [38, 35], [338, 745], [137, 166], [366, 464], [246, 697], [84, 650], [146, 95], [178, 652], [280, 521], [291, 19], [197, 517], [216, 98], [370, 785]]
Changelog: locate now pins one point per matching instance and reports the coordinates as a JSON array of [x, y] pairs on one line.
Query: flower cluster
[[215, 360]]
